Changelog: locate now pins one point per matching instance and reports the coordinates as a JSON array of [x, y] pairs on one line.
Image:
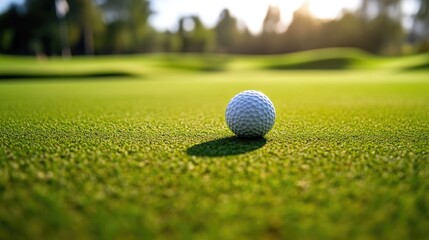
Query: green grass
[[141, 66], [150, 156]]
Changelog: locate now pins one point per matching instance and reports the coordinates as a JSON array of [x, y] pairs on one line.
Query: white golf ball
[[250, 114]]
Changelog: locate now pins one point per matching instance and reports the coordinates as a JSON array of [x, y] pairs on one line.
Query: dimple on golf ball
[[250, 114]]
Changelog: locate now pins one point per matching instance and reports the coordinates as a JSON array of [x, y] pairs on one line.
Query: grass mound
[[323, 59], [421, 66], [318, 64], [143, 65], [58, 76], [197, 63]]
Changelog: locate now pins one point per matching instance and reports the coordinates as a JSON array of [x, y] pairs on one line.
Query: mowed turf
[[150, 156]]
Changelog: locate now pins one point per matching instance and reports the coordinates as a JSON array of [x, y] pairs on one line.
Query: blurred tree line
[[122, 26]]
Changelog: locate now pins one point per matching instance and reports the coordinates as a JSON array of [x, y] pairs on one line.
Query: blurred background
[[102, 27]]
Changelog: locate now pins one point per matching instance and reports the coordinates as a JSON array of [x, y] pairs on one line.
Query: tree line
[[122, 27]]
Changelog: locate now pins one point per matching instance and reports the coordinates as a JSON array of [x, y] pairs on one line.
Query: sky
[[5, 3], [250, 12]]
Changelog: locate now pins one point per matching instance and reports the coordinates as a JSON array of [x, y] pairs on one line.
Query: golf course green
[[136, 147]]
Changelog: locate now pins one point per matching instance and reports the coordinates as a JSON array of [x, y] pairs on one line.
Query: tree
[[127, 25], [347, 31], [386, 35], [303, 32], [194, 36], [40, 21], [42, 26], [421, 24], [185, 26], [30, 28], [364, 9], [269, 40], [272, 19], [86, 19], [171, 42], [382, 22], [122, 26], [203, 38], [227, 33], [14, 32]]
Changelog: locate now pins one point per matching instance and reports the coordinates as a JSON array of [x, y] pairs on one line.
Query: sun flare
[[325, 9]]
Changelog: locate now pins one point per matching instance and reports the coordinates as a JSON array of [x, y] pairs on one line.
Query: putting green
[[150, 156]]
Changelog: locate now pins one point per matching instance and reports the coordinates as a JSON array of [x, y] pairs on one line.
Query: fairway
[[148, 154]]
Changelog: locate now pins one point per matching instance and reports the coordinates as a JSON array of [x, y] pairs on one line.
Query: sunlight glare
[[327, 9]]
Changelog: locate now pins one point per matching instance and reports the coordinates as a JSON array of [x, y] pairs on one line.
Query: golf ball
[[250, 114]]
